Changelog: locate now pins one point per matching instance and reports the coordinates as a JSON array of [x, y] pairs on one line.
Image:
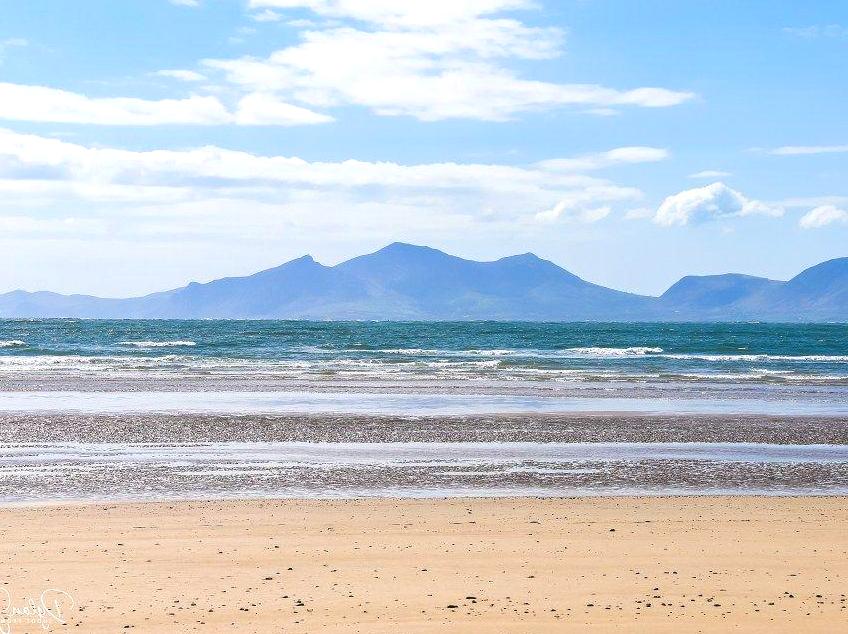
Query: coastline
[[553, 564], [171, 457], [305, 477]]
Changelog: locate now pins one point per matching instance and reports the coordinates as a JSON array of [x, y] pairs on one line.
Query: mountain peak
[[303, 260], [828, 267], [522, 257], [829, 276], [404, 248], [406, 281]]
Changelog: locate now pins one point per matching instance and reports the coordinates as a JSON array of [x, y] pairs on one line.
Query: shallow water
[[101, 471], [392, 404]]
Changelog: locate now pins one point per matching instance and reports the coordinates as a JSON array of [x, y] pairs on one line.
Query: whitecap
[[761, 358], [632, 351], [157, 344]]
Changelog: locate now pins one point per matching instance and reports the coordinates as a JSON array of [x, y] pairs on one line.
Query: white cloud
[[710, 174], [428, 60], [816, 31], [707, 203], [568, 210], [263, 109], [638, 213], [33, 156], [610, 158], [795, 150], [182, 75], [215, 194], [185, 3], [399, 13], [823, 216], [813, 201], [38, 103], [603, 112], [593, 215], [12, 42], [266, 16]]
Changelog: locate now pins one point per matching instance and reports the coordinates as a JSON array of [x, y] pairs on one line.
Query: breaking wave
[[157, 344]]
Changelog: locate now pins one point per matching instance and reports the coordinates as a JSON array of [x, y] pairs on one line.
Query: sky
[[145, 144]]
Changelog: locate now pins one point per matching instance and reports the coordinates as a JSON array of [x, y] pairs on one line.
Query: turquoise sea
[[100, 410], [748, 353]]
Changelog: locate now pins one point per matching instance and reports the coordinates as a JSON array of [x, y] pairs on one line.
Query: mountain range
[[408, 282]]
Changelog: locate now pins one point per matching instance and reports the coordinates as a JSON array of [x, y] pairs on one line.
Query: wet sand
[[126, 457], [540, 427], [518, 565]]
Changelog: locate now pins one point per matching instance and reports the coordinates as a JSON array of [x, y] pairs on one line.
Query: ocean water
[[93, 409], [495, 352]]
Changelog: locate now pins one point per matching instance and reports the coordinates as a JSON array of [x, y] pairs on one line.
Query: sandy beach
[[460, 565]]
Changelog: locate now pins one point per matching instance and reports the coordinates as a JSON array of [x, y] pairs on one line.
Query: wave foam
[[812, 358], [157, 344], [12, 343], [587, 352], [632, 351]]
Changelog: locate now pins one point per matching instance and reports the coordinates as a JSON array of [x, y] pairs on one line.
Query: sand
[[461, 565]]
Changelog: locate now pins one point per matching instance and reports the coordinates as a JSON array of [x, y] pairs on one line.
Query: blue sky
[[148, 143]]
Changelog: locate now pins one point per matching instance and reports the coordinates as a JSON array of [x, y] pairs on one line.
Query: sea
[[94, 410]]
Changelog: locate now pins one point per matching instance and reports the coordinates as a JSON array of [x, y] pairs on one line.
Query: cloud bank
[[51, 186], [39, 103], [427, 60]]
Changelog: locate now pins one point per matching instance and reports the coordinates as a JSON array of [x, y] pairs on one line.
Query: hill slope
[[820, 293], [400, 281]]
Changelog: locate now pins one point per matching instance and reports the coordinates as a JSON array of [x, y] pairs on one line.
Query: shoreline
[[70, 505], [596, 385], [398, 404], [659, 564]]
